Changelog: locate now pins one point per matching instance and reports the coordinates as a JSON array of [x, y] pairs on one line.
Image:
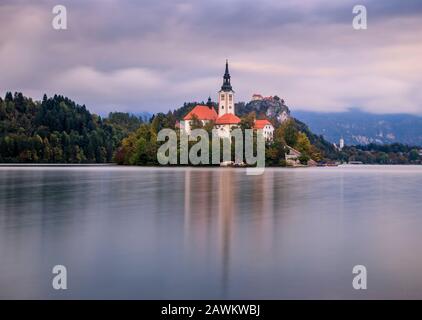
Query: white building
[[204, 114], [226, 118], [225, 124], [266, 127], [341, 143], [226, 95]]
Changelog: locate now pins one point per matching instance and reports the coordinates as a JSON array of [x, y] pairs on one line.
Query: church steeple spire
[[209, 103], [226, 79], [226, 95]]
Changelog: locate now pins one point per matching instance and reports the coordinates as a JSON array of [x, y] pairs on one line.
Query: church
[[225, 120]]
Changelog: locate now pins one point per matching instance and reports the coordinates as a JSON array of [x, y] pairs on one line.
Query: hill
[[57, 130], [270, 107]]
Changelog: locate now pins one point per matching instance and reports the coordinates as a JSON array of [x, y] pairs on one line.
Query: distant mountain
[[357, 127]]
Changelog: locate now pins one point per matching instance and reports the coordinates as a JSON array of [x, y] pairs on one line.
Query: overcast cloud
[[154, 55]]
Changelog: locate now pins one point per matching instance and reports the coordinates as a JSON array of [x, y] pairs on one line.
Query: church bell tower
[[226, 95]]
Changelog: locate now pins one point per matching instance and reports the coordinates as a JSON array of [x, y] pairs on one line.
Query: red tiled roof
[[228, 118], [260, 124], [202, 113]]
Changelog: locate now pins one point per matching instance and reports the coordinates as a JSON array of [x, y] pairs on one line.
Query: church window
[[230, 97], [222, 97]]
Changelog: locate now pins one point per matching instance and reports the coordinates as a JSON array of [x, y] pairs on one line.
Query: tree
[[248, 121], [304, 158], [58, 129], [290, 133], [196, 123], [414, 155], [302, 143]]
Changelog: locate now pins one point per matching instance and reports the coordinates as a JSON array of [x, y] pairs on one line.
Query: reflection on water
[[147, 233], [212, 200]]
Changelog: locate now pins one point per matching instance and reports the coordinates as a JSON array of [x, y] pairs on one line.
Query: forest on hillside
[[57, 130], [395, 153]]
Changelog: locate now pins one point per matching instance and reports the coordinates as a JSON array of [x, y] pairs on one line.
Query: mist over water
[[161, 233]]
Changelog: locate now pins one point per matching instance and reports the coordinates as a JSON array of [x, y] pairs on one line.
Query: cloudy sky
[[153, 55]]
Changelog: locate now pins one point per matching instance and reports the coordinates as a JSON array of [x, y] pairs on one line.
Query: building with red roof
[[226, 123], [226, 120], [202, 113], [267, 128], [257, 96], [260, 124]]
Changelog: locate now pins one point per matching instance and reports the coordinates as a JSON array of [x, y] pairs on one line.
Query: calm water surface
[[155, 233]]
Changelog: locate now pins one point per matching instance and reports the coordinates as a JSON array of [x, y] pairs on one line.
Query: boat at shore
[[355, 162], [328, 164], [232, 164]]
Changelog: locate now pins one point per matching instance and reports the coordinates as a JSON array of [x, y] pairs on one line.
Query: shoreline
[[115, 165], [58, 165]]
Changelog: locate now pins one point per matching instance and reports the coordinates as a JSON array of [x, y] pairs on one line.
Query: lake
[[161, 233]]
